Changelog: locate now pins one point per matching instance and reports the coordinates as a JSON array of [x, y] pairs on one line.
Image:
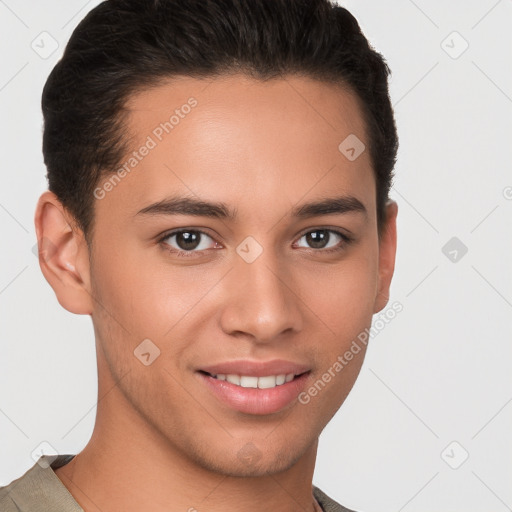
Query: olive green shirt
[[40, 490]]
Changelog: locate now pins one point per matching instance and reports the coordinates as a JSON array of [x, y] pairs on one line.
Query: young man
[[218, 204]]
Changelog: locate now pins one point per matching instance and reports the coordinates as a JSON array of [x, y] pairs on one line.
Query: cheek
[[133, 289], [343, 295], [345, 310], [148, 296]]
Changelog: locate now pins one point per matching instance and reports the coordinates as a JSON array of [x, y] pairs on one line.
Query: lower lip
[[255, 400]]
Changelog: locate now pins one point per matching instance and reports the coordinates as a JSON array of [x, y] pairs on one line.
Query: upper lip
[[256, 368]]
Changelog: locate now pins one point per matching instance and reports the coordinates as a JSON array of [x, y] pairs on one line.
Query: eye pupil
[[318, 239], [187, 240]]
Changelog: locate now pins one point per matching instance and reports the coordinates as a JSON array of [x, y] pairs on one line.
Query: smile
[[249, 381]]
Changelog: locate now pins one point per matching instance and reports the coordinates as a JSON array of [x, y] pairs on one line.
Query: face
[[253, 285]]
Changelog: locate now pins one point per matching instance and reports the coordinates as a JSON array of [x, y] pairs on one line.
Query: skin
[[161, 440]]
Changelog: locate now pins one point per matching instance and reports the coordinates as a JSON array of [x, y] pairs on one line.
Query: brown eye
[[324, 239], [318, 239], [188, 240]]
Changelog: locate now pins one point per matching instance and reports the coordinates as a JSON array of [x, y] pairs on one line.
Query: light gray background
[[438, 373]]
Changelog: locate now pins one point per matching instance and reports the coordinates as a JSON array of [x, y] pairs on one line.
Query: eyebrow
[[189, 206]]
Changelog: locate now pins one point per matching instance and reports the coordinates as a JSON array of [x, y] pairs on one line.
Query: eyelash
[[346, 240]]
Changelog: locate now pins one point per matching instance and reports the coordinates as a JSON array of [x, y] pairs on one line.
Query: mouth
[[253, 387], [251, 381]]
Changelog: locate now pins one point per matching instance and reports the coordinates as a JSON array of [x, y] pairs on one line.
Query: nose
[[262, 303]]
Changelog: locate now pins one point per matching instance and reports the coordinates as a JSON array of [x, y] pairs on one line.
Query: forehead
[[244, 101], [234, 137]]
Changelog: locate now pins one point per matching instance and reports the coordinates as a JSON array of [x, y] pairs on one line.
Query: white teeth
[[247, 381], [234, 379], [267, 382]]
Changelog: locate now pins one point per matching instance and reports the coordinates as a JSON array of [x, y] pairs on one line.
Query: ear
[[63, 255], [387, 253]]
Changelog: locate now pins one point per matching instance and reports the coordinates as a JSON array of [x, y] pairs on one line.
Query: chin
[[251, 462], [243, 470]]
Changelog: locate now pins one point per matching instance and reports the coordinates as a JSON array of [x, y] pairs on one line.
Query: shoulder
[[327, 503], [9, 492], [38, 489], [6, 503]]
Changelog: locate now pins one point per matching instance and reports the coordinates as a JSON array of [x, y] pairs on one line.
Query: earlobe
[[387, 255], [63, 255]]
